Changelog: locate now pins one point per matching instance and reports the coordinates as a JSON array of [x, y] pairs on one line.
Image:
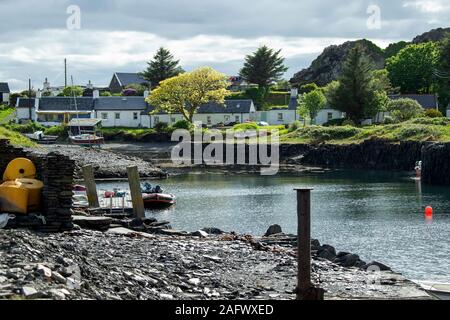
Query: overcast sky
[[120, 35]]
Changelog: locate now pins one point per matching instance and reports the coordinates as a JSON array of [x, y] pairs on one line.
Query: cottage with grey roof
[[4, 93], [131, 112], [121, 80]]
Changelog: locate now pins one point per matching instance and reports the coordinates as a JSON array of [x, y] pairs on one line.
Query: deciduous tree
[[186, 92]]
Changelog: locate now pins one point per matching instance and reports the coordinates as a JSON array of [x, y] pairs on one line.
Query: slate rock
[[273, 229]]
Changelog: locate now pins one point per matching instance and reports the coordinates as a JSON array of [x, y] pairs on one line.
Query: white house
[[130, 112], [280, 115], [121, 111], [232, 111], [4, 93], [327, 114]]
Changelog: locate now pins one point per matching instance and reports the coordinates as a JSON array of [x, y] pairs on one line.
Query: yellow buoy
[[34, 188], [13, 197], [19, 168]]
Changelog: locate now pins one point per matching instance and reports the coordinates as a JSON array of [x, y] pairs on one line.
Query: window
[[236, 118], [208, 120], [156, 119], [227, 118], [117, 115], [173, 119], [280, 117], [330, 116], [104, 116], [135, 115]]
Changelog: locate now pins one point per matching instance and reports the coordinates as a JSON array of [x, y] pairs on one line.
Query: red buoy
[[428, 211]]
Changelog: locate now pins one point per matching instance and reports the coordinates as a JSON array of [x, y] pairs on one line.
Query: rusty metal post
[[305, 289]]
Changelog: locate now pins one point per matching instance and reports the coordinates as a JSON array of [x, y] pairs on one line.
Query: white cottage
[[280, 115]]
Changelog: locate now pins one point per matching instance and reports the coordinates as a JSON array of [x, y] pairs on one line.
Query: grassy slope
[[414, 130], [15, 138], [4, 113]]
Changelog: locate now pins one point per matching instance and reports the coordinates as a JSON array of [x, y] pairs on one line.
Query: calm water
[[376, 215]]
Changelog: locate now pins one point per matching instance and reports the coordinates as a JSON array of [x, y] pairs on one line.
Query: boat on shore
[[440, 291], [41, 138]]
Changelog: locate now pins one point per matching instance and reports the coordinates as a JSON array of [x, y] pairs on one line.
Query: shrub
[[418, 132], [30, 127], [404, 109], [388, 120], [329, 133], [294, 126], [433, 113], [60, 131], [161, 127], [246, 126], [348, 122], [182, 124], [432, 121], [334, 122]]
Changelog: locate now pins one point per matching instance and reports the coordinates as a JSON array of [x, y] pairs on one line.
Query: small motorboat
[[158, 200], [155, 198], [41, 138]]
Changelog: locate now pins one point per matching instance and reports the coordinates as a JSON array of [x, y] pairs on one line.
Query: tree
[[13, 98], [162, 67], [306, 88], [356, 93], [263, 67], [413, 67], [314, 101], [404, 109], [443, 73], [138, 90], [186, 92], [71, 91]]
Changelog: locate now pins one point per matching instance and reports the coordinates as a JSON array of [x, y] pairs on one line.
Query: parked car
[[263, 124]]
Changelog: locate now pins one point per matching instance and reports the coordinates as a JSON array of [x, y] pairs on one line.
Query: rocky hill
[[328, 66], [433, 35]]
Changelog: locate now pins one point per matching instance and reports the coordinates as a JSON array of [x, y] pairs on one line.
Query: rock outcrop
[[328, 66], [433, 35]]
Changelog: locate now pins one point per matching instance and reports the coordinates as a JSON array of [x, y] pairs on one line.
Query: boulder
[[349, 260], [273, 229], [215, 231], [382, 267], [200, 233]]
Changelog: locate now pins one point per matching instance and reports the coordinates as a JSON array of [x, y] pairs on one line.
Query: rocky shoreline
[[125, 264], [107, 164]]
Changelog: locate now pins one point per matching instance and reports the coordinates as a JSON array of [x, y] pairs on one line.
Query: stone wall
[[56, 172]]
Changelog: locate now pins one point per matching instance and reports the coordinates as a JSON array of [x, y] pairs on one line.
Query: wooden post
[[91, 188], [135, 190], [305, 289]]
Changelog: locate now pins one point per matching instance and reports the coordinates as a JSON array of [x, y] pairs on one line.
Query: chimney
[[39, 94], [294, 93], [46, 84], [89, 85], [146, 93], [96, 94]]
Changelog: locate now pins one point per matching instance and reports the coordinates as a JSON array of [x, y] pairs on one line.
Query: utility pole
[[65, 73], [29, 99]]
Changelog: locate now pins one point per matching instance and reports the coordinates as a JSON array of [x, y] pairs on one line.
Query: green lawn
[[422, 129]]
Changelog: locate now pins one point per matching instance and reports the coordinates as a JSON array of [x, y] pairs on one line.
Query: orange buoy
[[428, 211]]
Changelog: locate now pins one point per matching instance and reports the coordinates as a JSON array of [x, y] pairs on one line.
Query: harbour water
[[379, 215]]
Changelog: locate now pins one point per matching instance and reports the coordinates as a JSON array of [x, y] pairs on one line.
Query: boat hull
[[158, 200]]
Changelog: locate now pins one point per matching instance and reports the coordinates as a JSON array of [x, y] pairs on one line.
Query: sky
[[100, 37]]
